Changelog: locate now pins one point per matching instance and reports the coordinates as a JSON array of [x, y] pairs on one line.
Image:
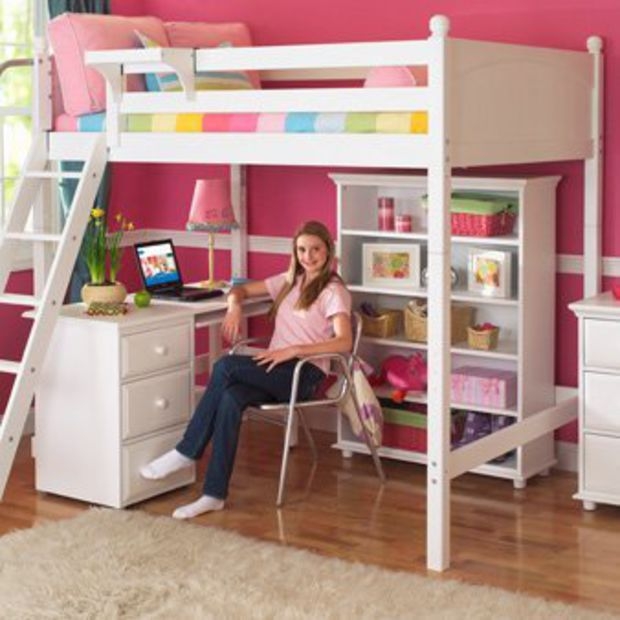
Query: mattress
[[296, 122]]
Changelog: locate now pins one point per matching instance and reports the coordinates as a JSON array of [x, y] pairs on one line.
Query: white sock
[[165, 465], [203, 504]]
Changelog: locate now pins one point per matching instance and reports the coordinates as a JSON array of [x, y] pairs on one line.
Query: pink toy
[[406, 374]]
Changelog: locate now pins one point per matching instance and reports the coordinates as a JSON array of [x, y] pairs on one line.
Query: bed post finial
[[595, 45], [439, 25]]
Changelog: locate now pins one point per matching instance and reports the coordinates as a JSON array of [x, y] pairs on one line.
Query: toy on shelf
[[405, 374]]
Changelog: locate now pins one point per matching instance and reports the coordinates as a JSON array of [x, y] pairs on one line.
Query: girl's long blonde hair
[[311, 292]]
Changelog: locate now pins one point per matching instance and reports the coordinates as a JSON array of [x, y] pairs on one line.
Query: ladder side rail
[[41, 333]]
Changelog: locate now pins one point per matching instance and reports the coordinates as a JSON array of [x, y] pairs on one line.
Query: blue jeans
[[237, 381]]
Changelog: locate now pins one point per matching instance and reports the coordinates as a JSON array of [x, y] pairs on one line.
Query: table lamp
[[212, 212]]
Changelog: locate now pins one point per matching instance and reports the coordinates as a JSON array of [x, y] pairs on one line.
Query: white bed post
[[239, 236], [593, 181], [439, 189], [42, 253]]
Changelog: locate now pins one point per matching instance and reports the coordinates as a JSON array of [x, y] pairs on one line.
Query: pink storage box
[[487, 387]]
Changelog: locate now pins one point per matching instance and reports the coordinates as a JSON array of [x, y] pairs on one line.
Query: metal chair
[[288, 411]]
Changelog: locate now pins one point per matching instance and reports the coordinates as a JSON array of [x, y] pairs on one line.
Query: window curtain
[[67, 187]]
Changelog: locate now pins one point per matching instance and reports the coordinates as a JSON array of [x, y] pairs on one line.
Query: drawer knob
[[161, 349], [162, 403]]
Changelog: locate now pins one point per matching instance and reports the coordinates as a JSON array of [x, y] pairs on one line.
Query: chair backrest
[[356, 326]]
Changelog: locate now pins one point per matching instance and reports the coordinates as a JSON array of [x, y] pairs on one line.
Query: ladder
[[47, 302]]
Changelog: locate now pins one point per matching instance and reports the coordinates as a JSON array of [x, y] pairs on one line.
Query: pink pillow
[[202, 34], [72, 34], [386, 77]]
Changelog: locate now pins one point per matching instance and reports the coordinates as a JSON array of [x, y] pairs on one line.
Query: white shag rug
[[127, 564]]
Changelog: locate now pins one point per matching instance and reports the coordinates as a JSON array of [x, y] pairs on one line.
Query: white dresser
[[599, 400], [115, 392]]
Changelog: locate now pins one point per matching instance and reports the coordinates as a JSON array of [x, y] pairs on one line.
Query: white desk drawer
[[601, 400], [602, 464], [134, 487], [157, 402], [602, 344], [155, 350]]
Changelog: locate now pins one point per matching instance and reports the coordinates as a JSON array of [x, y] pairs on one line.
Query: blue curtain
[[67, 187], [56, 7]]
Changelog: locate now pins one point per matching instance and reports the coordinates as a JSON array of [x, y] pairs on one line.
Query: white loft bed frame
[[488, 104]]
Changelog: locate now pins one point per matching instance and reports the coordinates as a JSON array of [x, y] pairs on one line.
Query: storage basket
[[387, 323], [461, 317], [478, 225], [485, 339], [480, 215]]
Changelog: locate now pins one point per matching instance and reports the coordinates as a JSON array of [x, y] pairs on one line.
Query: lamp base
[[212, 284]]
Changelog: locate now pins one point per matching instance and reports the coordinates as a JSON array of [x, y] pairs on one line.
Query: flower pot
[[108, 293]]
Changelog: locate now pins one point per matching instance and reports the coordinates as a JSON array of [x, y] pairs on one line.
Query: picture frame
[[489, 273], [391, 265]]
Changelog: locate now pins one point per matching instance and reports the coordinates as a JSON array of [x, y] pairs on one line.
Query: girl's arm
[[231, 326], [341, 342]]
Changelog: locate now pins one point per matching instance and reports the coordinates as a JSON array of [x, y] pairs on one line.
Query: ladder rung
[[33, 236], [52, 174], [10, 367], [19, 300]]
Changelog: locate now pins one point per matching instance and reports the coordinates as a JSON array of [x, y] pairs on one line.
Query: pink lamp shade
[[211, 208]]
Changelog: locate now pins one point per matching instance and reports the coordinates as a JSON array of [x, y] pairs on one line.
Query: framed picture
[[396, 265], [488, 272]]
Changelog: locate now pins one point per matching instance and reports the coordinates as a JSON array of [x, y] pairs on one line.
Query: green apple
[[142, 299]]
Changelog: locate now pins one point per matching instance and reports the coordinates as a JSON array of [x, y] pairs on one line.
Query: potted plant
[[102, 252]]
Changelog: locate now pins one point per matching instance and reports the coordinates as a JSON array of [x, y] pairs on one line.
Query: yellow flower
[[97, 213]]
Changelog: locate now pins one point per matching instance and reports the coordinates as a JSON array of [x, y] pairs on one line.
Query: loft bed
[[483, 104]]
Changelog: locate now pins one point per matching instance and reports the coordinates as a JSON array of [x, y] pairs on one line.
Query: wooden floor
[[536, 540]]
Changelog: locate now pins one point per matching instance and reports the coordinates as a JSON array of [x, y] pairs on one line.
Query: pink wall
[[158, 196]]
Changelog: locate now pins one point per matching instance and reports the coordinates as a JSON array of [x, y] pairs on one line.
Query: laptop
[[161, 275]]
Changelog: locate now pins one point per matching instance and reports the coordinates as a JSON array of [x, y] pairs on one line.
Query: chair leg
[[286, 449], [376, 460], [309, 437]]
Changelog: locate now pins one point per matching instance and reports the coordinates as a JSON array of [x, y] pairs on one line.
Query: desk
[[115, 392]]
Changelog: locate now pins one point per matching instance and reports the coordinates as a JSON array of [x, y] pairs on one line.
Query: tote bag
[[370, 410]]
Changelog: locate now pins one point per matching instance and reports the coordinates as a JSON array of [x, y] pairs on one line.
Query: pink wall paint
[[158, 196], [14, 332]]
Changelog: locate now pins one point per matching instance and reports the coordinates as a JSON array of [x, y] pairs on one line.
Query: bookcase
[[522, 304]]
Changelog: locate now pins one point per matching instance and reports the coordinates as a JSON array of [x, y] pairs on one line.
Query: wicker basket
[[461, 318], [478, 225], [386, 324], [486, 339]]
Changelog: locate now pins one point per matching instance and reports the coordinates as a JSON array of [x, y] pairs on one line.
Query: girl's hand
[[273, 358], [231, 325]]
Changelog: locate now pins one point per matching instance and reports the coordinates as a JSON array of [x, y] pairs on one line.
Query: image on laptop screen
[[158, 265]]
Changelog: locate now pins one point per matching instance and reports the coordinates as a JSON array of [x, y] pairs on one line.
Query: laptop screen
[[158, 264]]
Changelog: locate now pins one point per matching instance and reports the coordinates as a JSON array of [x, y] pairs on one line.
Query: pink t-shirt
[[294, 326]]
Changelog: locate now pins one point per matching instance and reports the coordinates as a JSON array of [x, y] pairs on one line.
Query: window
[[16, 50]]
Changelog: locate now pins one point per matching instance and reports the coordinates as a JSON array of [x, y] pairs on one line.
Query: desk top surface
[[159, 309]]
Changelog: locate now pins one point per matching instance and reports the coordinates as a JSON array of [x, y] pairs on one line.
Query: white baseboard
[[566, 453]]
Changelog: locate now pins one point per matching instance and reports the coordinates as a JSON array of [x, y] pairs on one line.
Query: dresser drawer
[[601, 402], [134, 487], [602, 344], [155, 350], [155, 403], [601, 464]]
